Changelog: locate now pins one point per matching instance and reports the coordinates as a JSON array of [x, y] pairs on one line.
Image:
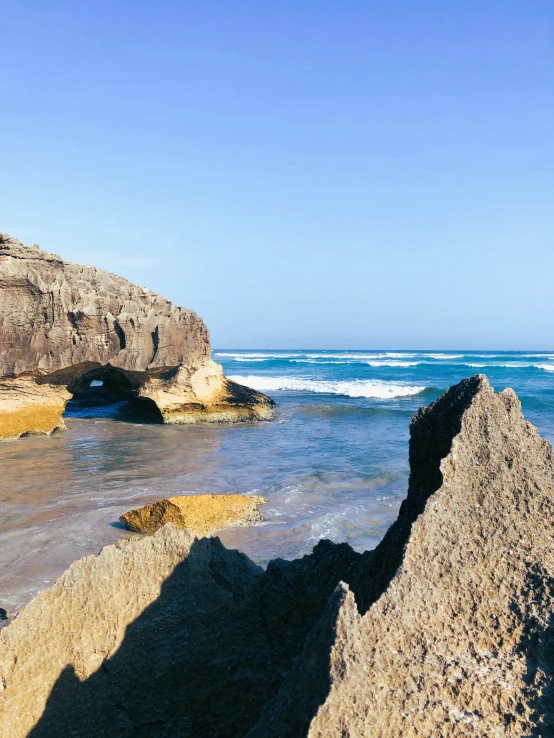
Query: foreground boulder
[[63, 326], [161, 635], [460, 641], [445, 629], [201, 514]]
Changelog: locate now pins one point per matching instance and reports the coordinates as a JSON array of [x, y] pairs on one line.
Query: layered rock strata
[[201, 514], [63, 326], [443, 630]]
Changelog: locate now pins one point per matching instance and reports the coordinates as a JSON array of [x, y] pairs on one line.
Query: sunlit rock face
[[445, 629], [63, 326], [455, 637], [200, 514]]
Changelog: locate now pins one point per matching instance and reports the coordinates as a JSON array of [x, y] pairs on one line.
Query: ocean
[[333, 465]]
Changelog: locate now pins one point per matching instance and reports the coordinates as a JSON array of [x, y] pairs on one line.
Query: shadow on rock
[[221, 640], [203, 659], [229, 650]]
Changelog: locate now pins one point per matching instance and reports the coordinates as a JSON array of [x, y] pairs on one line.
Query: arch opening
[[106, 392]]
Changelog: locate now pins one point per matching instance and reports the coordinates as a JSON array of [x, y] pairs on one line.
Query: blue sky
[[322, 173]]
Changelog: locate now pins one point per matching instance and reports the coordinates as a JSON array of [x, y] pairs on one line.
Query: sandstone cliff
[[63, 326], [443, 630]]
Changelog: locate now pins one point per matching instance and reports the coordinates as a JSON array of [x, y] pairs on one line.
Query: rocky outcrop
[[161, 635], [201, 514], [443, 630], [63, 326], [458, 638]]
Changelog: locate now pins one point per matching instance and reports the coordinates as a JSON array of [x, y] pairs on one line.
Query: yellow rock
[[203, 514], [41, 421], [27, 408]]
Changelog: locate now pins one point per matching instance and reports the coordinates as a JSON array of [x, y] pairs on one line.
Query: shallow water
[[334, 464]]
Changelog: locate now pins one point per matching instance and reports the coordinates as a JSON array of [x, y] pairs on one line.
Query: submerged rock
[[63, 326], [201, 514], [445, 629]]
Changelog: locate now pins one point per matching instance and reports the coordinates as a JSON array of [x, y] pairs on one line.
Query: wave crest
[[356, 388], [390, 362]]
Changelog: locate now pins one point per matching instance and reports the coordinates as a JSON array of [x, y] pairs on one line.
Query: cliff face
[[64, 325], [445, 629]]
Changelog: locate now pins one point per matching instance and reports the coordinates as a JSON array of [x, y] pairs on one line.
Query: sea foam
[[390, 362], [355, 388], [444, 357], [512, 365]]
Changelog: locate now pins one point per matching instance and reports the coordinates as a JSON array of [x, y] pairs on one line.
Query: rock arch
[[61, 323], [114, 385]]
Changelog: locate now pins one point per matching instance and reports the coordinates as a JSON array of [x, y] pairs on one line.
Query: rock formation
[[445, 629], [458, 638], [201, 514], [63, 326]]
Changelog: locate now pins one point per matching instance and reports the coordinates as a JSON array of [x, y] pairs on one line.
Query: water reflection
[[339, 476]]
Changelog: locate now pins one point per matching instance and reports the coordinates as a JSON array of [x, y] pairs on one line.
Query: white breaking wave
[[538, 356], [386, 358], [496, 365], [512, 365], [304, 356], [355, 388], [498, 356], [421, 354], [360, 356], [444, 356], [390, 362], [335, 362], [249, 356]]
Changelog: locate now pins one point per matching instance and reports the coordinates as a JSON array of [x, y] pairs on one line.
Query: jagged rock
[[201, 514], [459, 641], [63, 326], [164, 634], [445, 629]]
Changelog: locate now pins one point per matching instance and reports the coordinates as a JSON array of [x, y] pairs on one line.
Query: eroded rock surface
[[63, 326], [162, 635], [443, 630], [460, 641], [201, 514]]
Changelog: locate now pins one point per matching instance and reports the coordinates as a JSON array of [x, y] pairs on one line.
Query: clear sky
[[302, 173]]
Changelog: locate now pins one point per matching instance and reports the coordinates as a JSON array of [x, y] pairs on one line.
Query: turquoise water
[[383, 381], [342, 436], [334, 464]]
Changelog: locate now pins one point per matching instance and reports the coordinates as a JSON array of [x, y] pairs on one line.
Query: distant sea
[[333, 465]]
